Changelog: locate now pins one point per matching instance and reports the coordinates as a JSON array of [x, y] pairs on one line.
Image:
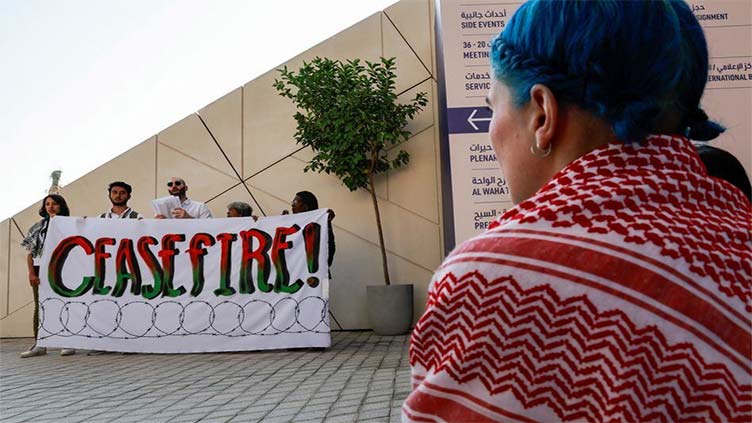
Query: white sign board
[[477, 192]]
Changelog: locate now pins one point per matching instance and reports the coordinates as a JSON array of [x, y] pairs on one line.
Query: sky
[[82, 81]]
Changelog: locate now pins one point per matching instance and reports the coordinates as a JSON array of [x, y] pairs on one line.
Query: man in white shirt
[[120, 193], [188, 209]]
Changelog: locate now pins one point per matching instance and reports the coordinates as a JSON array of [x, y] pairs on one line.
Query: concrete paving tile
[[329, 399], [352, 409], [185, 418], [266, 408], [376, 406], [280, 419], [236, 404], [281, 412], [208, 419], [315, 407], [311, 414], [255, 416], [381, 413], [349, 397], [347, 402], [344, 418]]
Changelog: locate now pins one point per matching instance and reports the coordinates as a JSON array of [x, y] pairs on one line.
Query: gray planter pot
[[390, 308]]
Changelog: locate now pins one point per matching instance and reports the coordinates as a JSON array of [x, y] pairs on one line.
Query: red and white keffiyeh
[[619, 292]]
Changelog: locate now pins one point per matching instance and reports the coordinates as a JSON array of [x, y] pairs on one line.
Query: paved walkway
[[363, 377]]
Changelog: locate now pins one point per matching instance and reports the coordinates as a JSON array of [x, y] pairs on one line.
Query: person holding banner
[[306, 201], [52, 205], [188, 209], [119, 193], [619, 288]]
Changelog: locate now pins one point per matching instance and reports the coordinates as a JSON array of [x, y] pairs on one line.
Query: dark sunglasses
[[176, 183]]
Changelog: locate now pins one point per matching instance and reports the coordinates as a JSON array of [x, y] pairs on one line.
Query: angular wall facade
[[255, 159]]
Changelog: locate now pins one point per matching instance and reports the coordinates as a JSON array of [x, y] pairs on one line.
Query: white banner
[[181, 285]]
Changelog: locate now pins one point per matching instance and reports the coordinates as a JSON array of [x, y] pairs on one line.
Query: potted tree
[[349, 116]]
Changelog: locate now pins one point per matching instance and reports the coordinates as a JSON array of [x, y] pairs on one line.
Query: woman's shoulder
[[38, 225]]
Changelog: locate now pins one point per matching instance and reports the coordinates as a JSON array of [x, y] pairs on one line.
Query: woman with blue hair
[[619, 286]]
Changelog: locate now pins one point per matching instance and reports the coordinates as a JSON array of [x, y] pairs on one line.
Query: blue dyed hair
[[635, 64]]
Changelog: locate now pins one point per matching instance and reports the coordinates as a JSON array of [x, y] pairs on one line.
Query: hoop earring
[[537, 152]]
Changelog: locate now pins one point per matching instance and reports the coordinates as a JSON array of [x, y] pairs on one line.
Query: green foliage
[[349, 115]]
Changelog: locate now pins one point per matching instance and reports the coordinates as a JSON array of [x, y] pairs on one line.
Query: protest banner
[[185, 285]]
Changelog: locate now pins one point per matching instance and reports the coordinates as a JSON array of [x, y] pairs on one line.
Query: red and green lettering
[[150, 291], [55, 269], [167, 254], [282, 282], [127, 269], [100, 255], [196, 251], [261, 255], [225, 264]]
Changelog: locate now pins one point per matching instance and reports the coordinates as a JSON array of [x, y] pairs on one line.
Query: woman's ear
[[544, 115]]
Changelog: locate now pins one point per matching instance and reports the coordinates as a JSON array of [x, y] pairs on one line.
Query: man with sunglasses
[[188, 209]]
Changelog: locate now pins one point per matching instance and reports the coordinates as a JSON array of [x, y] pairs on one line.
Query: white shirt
[[196, 209], [126, 214]]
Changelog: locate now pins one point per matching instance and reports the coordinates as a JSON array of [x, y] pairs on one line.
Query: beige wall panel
[[271, 202], [268, 124], [28, 216], [362, 41], [218, 205], [406, 234], [204, 182], [18, 324], [415, 186], [224, 118], [412, 19], [18, 310], [87, 195], [190, 138], [410, 236], [357, 264], [4, 265], [410, 70], [19, 291], [425, 117]]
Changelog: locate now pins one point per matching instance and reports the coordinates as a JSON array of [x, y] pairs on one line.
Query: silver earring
[[537, 152]]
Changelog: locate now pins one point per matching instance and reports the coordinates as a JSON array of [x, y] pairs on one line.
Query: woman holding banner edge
[[620, 286], [52, 205]]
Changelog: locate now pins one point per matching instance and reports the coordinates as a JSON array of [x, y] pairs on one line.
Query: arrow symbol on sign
[[472, 121]]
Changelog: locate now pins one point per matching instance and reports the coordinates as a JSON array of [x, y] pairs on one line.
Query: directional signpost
[[464, 31], [471, 200]]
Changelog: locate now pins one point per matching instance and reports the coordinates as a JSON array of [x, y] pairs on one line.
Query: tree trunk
[[378, 225]]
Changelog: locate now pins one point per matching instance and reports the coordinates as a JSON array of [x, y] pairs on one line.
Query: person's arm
[[33, 277], [204, 212]]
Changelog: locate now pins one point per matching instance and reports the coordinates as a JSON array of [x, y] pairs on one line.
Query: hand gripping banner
[[183, 285]]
